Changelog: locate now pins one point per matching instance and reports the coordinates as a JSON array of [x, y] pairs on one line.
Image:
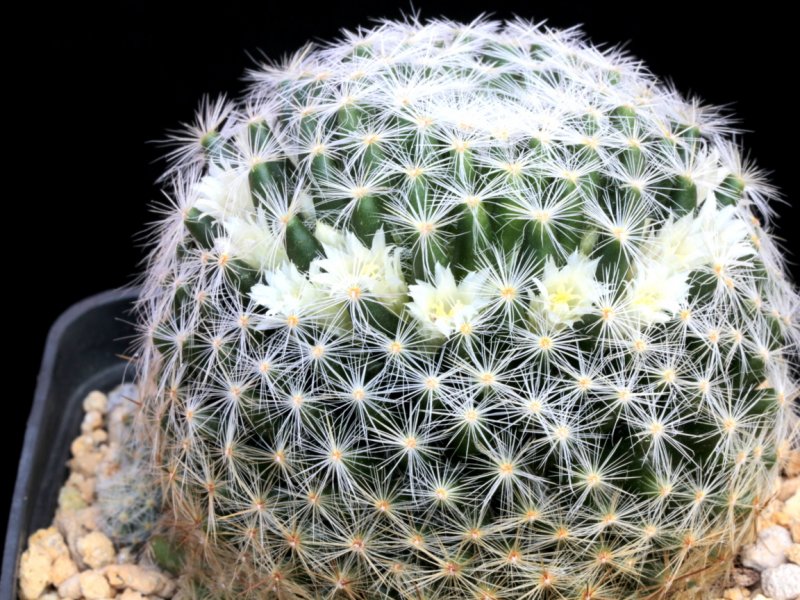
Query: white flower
[[443, 306], [330, 236], [656, 292], [679, 245], [568, 293], [351, 271], [725, 235], [708, 174], [287, 293], [254, 243], [717, 237], [223, 193]]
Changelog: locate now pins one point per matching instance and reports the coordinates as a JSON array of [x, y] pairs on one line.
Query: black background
[[111, 80]]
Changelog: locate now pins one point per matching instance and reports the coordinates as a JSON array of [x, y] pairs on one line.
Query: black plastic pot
[[83, 352]]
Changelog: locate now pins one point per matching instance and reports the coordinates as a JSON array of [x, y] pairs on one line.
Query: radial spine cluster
[[448, 310]]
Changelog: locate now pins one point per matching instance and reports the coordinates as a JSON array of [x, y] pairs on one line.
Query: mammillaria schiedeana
[[127, 495], [464, 311]]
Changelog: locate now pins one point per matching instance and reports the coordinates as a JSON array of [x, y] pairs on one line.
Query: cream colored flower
[[725, 235], [656, 293], [330, 236], [679, 245], [444, 306], [568, 293], [287, 293], [350, 271], [253, 241], [708, 174], [716, 236], [223, 193]]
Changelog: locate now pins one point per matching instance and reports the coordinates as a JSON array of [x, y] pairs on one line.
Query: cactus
[[128, 498], [478, 310]]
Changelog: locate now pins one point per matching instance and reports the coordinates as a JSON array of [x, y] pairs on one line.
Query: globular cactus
[[128, 494], [128, 498], [465, 311]]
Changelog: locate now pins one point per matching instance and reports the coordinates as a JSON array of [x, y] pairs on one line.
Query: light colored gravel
[[773, 556], [782, 582], [72, 558], [769, 550]]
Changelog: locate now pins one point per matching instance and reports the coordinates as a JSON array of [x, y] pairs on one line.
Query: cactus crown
[[464, 311]]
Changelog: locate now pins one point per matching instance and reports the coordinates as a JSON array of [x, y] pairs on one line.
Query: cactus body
[[128, 495], [464, 311]]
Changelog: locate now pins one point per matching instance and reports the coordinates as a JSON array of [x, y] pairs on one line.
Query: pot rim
[[18, 517]]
